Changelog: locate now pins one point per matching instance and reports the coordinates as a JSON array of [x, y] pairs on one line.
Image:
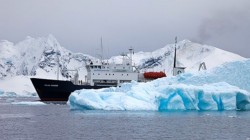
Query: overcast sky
[[145, 25]]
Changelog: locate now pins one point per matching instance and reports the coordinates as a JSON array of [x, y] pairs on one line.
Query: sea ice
[[28, 103], [223, 88]]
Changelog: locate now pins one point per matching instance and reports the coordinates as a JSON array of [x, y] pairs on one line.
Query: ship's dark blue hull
[[57, 90]]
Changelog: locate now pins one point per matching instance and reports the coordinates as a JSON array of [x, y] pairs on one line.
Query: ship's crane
[[202, 66], [75, 79]]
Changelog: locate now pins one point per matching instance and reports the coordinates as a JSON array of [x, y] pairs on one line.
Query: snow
[[234, 73], [189, 55], [17, 86], [223, 88], [35, 57]]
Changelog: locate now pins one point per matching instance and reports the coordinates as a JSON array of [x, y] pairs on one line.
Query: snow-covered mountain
[[37, 57], [189, 55]]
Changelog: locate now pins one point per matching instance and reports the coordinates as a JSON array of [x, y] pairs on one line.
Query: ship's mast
[[130, 54], [175, 54], [57, 65], [101, 50]]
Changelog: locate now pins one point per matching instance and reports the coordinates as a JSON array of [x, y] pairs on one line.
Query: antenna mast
[[57, 65], [101, 50], [131, 52], [175, 55], [175, 52]]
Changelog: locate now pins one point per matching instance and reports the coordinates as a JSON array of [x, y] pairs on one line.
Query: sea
[[55, 121]]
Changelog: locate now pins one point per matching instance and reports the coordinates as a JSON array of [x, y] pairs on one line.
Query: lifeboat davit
[[154, 75]]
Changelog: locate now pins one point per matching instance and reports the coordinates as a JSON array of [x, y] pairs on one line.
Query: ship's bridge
[[111, 74]]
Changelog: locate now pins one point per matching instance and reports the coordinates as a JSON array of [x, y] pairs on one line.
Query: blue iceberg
[[223, 88]]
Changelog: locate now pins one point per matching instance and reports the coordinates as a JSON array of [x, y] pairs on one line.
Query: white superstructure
[[111, 74]]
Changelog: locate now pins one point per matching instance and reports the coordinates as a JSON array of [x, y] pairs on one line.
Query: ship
[[99, 75]]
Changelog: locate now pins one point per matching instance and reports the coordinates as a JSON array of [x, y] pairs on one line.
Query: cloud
[[224, 23], [227, 29]]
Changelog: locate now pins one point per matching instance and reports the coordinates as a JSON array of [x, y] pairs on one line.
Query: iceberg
[[234, 73], [224, 88], [147, 96]]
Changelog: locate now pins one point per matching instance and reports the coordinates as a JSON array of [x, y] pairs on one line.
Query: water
[[58, 122]]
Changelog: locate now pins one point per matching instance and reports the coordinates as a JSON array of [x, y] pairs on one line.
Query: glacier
[[226, 87]]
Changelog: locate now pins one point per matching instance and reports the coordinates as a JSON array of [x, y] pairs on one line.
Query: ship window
[[106, 74], [122, 74], [95, 66], [91, 67], [98, 73], [127, 74], [99, 67], [113, 74], [93, 74]]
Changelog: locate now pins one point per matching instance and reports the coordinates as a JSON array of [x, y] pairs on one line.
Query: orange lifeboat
[[154, 75]]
